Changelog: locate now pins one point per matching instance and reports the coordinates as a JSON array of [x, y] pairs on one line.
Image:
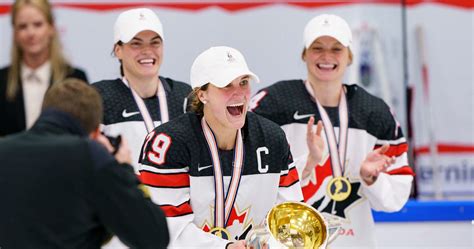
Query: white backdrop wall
[[269, 33], [449, 50]]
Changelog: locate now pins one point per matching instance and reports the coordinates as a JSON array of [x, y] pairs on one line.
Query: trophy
[[294, 225]]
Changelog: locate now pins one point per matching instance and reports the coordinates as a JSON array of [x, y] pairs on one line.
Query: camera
[[115, 142]]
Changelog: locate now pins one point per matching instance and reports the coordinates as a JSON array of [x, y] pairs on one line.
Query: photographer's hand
[[123, 154], [104, 141]]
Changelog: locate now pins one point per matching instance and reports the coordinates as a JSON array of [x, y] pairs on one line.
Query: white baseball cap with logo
[[219, 66], [131, 22], [327, 25]]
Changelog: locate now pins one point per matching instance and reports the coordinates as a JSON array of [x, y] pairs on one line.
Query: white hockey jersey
[[178, 168], [122, 115], [371, 124]]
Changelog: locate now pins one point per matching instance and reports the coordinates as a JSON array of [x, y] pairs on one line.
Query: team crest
[[238, 222], [338, 207]]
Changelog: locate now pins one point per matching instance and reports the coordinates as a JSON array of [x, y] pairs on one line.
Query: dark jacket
[[59, 189], [12, 112]]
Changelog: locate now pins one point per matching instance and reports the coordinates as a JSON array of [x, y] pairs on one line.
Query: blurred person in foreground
[[61, 188], [37, 63], [218, 170], [140, 99], [364, 165]]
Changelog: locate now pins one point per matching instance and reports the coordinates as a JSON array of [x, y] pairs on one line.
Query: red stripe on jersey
[[395, 150], [174, 211], [405, 170], [180, 180], [290, 178], [321, 173]]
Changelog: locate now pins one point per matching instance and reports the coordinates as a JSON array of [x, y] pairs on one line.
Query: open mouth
[[236, 109], [326, 66], [147, 62]]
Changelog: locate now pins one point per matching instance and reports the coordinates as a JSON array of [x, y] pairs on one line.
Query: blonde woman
[[364, 153], [37, 62]]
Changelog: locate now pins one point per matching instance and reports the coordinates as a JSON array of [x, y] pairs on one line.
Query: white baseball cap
[[219, 66], [327, 25], [131, 22]]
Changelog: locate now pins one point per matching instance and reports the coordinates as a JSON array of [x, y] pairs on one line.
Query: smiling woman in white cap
[[364, 164], [217, 171], [141, 99]]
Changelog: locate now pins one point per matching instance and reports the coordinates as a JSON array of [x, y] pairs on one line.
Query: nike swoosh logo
[[297, 116], [126, 114], [204, 167]]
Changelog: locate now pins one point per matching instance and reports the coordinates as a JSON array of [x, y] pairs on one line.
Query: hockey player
[[217, 171], [141, 100], [365, 163]]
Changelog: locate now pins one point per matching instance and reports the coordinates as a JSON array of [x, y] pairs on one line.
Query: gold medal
[[339, 188], [220, 232]]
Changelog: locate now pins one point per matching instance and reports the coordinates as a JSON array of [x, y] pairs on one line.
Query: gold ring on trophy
[[339, 188]]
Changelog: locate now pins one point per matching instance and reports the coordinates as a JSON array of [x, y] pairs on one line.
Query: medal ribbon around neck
[[337, 150], [223, 204], [161, 95]]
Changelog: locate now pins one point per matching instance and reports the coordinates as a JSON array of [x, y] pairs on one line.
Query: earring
[[204, 101]]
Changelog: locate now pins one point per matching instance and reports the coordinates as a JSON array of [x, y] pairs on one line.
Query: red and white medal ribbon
[[161, 95], [337, 151], [224, 203]]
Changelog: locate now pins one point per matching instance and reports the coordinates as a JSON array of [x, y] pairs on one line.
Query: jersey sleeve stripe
[[395, 150], [405, 170], [289, 179], [176, 180], [175, 211], [154, 169]]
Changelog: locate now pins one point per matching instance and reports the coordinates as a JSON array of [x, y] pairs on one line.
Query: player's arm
[[289, 188], [164, 169], [385, 174]]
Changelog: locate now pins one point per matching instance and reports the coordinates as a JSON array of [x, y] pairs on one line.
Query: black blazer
[[47, 205], [12, 113]]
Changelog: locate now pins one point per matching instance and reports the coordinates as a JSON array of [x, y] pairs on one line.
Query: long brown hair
[[59, 65]]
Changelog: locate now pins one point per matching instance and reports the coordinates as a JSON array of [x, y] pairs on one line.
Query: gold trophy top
[[297, 225]]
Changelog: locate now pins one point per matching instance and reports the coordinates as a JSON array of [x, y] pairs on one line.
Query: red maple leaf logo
[[235, 216], [321, 173]]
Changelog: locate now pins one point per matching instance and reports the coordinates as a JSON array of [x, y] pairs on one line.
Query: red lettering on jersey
[[346, 232], [159, 148]]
